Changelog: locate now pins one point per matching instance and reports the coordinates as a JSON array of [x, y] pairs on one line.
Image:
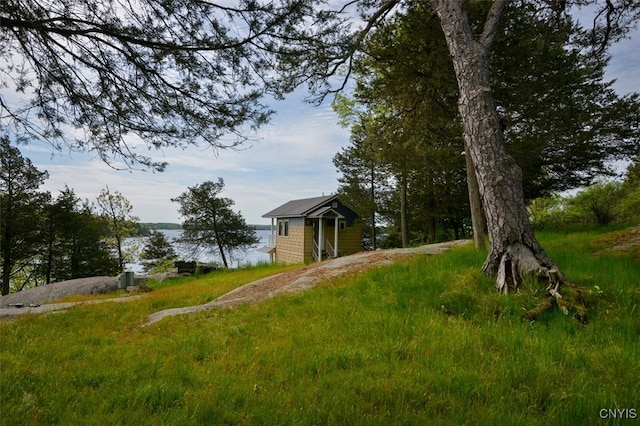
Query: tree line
[[406, 167], [46, 239]]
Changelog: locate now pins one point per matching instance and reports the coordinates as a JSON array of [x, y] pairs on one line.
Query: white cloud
[[291, 158], [624, 65]]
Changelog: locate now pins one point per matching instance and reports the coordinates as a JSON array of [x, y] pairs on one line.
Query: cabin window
[[283, 227], [342, 225]]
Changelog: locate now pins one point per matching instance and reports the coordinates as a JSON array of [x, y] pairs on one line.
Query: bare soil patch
[[624, 241]]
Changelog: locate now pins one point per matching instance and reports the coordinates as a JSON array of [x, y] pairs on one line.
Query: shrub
[[600, 204], [597, 204]]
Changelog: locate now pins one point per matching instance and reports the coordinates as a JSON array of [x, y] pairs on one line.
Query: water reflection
[[238, 257]]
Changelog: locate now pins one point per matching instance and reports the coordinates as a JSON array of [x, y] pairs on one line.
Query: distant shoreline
[[171, 226]]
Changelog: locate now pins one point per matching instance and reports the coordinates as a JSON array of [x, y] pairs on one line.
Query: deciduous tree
[[116, 211], [630, 204]]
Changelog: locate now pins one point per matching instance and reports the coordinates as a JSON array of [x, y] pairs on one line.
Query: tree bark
[[6, 275], [219, 240], [404, 230], [432, 230], [50, 251], [514, 250], [6, 243], [372, 194], [475, 203]]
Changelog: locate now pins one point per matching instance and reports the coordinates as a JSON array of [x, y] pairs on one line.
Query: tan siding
[[298, 246], [350, 240], [308, 244], [289, 248]]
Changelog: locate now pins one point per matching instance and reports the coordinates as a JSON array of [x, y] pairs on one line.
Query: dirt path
[[305, 278]]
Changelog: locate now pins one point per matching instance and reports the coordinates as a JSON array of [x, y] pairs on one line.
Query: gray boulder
[[47, 293]]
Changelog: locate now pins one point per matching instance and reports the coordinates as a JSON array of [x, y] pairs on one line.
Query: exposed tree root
[[519, 261], [572, 302]]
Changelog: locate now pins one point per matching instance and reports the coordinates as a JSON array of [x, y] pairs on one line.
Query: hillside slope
[[307, 277]]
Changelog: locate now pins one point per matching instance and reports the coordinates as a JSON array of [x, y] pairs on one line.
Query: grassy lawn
[[373, 348]]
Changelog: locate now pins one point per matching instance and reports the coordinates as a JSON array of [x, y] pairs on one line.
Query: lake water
[[238, 258]]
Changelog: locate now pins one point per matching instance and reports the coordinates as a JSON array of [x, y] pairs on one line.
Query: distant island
[[161, 225], [145, 227], [261, 227]]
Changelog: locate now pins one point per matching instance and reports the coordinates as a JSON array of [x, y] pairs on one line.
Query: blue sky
[[292, 158]]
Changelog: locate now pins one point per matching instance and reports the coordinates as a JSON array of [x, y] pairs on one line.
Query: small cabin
[[313, 229]]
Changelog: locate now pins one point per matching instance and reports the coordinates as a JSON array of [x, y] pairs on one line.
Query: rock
[[55, 291]]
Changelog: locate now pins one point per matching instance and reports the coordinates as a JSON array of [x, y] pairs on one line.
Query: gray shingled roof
[[324, 210], [299, 208]]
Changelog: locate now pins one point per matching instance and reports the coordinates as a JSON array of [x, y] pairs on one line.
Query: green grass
[[373, 348]]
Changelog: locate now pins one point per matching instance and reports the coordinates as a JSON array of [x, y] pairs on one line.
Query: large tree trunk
[[514, 251], [216, 231], [475, 204], [6, 276], [372, 194], [404, 229]]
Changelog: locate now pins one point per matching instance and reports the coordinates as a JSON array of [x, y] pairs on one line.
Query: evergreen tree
[[76, 241], [59, 223], [563, 122], [406, 94], [185, 71], [156, 250], [555, 107], [170, 74], [363, 172], [21, 206], [210, 224]]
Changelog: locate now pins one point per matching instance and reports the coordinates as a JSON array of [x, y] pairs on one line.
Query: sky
[[291, 158]]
